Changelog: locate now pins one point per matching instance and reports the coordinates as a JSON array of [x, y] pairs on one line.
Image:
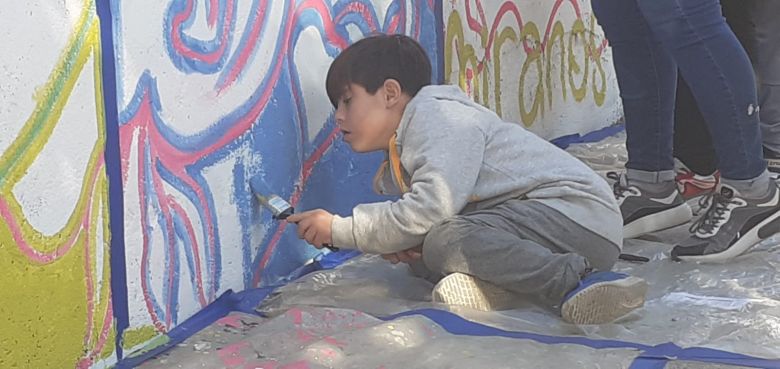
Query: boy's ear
[[393, 93]]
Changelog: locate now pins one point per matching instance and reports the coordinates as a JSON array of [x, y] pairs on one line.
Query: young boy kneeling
[[490, 207]]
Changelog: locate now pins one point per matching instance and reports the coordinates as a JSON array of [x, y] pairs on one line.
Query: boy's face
[[367, 121]]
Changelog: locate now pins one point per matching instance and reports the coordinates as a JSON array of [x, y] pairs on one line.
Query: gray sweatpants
[[521, 245], [756, 25]]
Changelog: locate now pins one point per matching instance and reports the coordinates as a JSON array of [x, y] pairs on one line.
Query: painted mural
[[544, 64], [56, 303], [213, 95]]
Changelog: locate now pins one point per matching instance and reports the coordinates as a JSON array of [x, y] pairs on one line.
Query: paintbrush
[[280, 209]]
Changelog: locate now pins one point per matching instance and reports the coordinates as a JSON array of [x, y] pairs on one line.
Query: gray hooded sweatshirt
[[456, 156]]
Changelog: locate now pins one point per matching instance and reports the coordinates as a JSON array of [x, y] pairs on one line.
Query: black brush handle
[[633, 258], [330, 247]]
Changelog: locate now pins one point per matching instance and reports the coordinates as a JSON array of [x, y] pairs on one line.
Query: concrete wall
[[543, 63], [186, 103], [212, 94]]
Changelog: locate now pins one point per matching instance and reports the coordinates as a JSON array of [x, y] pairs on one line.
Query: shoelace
[[620, 187], [717, 206]]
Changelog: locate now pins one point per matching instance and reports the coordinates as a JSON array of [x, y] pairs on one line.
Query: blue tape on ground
[[658, 356], [652, 357], [564, 141], [603, 133], [322, 262], [456, 325], [247, 301], [244, 301], [229, 301], [335, 259], [202, 319]]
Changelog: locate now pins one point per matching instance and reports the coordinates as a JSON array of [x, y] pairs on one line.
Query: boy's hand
[[406, 256], [314, 226]]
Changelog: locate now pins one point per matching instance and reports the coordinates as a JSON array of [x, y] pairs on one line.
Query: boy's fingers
[[299, 217], [402, 256], [303, 226], [391, 258], [310, 235], [318, 241], [294, 218]]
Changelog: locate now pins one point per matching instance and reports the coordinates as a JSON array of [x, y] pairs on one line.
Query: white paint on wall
[[313, 64], [200, 28], [51, 187], [220, 176], [33, 42], [187, 294], [157, 253], [189, 100]]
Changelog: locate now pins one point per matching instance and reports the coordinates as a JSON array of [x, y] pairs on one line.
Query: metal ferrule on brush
[[280, 209]]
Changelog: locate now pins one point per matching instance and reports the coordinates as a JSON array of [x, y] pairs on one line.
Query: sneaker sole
[[605, 302], [747, 241], [464, 290], [659, 221]]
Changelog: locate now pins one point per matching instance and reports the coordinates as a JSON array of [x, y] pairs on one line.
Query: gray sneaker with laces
[[731, 225], [644, 211]]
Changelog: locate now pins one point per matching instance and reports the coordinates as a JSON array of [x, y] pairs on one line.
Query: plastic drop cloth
[[326, 319]]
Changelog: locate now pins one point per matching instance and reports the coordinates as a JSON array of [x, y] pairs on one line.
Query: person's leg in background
[[759, 33], [647, 77], [720, 75], [694, 155], [692, 140], [765, 53]]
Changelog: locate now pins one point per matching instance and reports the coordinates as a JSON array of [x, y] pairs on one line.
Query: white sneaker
[[603, 297], [465, 290]]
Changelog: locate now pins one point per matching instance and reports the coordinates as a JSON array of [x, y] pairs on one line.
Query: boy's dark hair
[[372, 60]]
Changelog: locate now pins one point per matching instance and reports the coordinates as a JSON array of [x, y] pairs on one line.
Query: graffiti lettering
[[576, 54]]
